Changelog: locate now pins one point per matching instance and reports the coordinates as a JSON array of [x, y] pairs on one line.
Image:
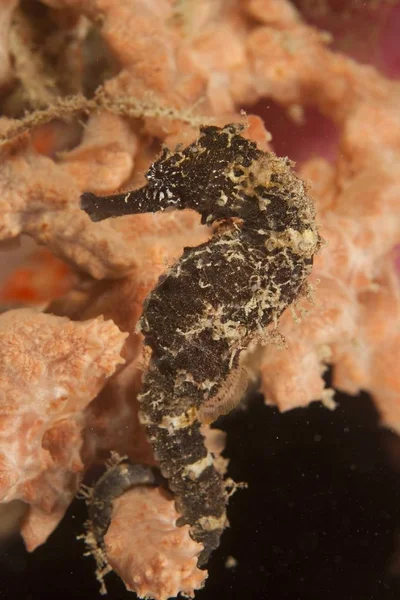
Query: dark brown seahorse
[[215, 300]]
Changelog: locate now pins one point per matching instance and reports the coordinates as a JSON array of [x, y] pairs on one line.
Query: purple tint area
[[368, 31], [315, 136], [389, 44]]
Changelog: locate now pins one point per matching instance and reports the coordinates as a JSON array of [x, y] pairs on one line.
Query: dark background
[[318, 520]]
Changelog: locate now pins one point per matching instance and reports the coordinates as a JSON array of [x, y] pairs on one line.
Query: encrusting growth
[[215, 301]]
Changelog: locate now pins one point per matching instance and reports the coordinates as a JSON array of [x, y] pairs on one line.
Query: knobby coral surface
[[167, 563], [165, 67], [50, 370]]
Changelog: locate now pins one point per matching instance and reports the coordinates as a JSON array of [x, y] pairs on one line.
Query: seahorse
[[216, 300]]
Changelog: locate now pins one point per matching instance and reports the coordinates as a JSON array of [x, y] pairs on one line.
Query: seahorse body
[[215, 300]]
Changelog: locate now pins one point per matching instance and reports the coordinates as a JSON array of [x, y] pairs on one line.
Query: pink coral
[[104, 158], [166, 564], [51, 368], [40, 199]]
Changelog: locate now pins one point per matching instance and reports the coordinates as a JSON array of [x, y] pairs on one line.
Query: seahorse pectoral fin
[[227, 397]]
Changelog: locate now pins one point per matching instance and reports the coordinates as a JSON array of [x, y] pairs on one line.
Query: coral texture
[[51, 369], [146, 73], [167, 564]]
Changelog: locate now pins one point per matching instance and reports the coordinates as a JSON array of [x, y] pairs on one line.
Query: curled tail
[[112, 484], [178, 445]]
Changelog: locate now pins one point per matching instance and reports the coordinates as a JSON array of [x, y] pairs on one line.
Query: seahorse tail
[[178, 445], [112, 484]]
